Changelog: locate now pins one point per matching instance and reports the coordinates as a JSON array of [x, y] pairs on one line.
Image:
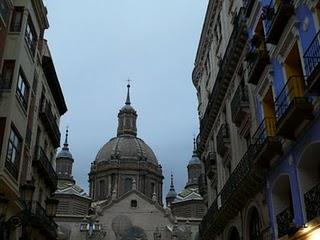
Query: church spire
[[66, 145], [128, 102], [171, 184], [171, 196]]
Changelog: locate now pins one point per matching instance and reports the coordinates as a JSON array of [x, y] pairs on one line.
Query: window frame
[[30, 36], [22, 89], [14, 25], [7, 69], [12, 163]]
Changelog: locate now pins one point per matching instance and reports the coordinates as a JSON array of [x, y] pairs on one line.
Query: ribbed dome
[[126, 147], [64, 153], [195, 159]]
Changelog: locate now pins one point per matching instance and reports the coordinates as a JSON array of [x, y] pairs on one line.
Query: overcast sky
[[97, 45]]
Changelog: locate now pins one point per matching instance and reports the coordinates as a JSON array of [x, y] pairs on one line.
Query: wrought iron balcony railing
[[223, 139], [45, 168], [227, 68], [239, 104], [312, 66], [284, 221], [265, 142], [12, 168], [292, 107], [276, 16], [312, 202], [248, 5], [257, 61], [50, 124], [244, 182], [38, 218]]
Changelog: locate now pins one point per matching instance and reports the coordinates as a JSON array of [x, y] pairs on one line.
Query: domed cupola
[[171, 195], [194, 168], [64, 162], [125, 159]]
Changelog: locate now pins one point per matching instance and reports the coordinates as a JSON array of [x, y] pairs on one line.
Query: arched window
[[254, 225], [127, 184], [234, 234], [101, 188]]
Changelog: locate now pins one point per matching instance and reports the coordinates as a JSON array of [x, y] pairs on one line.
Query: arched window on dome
[[127, 184], [102, 186]]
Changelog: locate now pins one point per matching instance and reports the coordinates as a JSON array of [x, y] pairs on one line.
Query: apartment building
[[31, 104], [257, 79]]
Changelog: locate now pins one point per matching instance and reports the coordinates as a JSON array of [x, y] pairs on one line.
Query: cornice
[[205, 40]]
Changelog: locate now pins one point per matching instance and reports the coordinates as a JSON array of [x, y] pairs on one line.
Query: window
[[7, 74], [254, 225], [127, 184], [134, 203], [13, 152], [101, 188], [30, 36], [152, 190], [16, 20], [23, 89]]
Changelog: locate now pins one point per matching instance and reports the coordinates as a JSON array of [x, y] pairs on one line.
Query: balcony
[[248, 5], [240, 105], [257, 61], [223, 139], [50, 124], [237, 42], [266, 145], [211, 165], [39, 220], [312, 66], [276, 16], [245, 181], [312, 202], [202, 184], [293, 108], [284, 221], [45, 169]]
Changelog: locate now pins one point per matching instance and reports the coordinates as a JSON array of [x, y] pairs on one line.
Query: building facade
[[256, 75], [31, 103]]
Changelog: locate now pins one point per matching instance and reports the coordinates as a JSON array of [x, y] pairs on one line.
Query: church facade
[[125, 192]]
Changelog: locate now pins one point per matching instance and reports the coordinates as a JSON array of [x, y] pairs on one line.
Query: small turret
[[171, 196]]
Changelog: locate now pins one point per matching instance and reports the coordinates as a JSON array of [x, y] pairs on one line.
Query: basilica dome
[[125, 162], [126, 147]]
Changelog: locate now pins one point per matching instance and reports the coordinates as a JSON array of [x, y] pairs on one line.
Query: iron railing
[[292, 91], [267, 128], [50, 123], [271, 11], [312, 56], [284, 221], [39, 219], [42, 161], [240, 97], [12, 168], [237, 176], [312, 202], [208, 219]]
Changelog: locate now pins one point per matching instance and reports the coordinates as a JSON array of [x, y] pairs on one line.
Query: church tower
[[194, 168], [64, 163]]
